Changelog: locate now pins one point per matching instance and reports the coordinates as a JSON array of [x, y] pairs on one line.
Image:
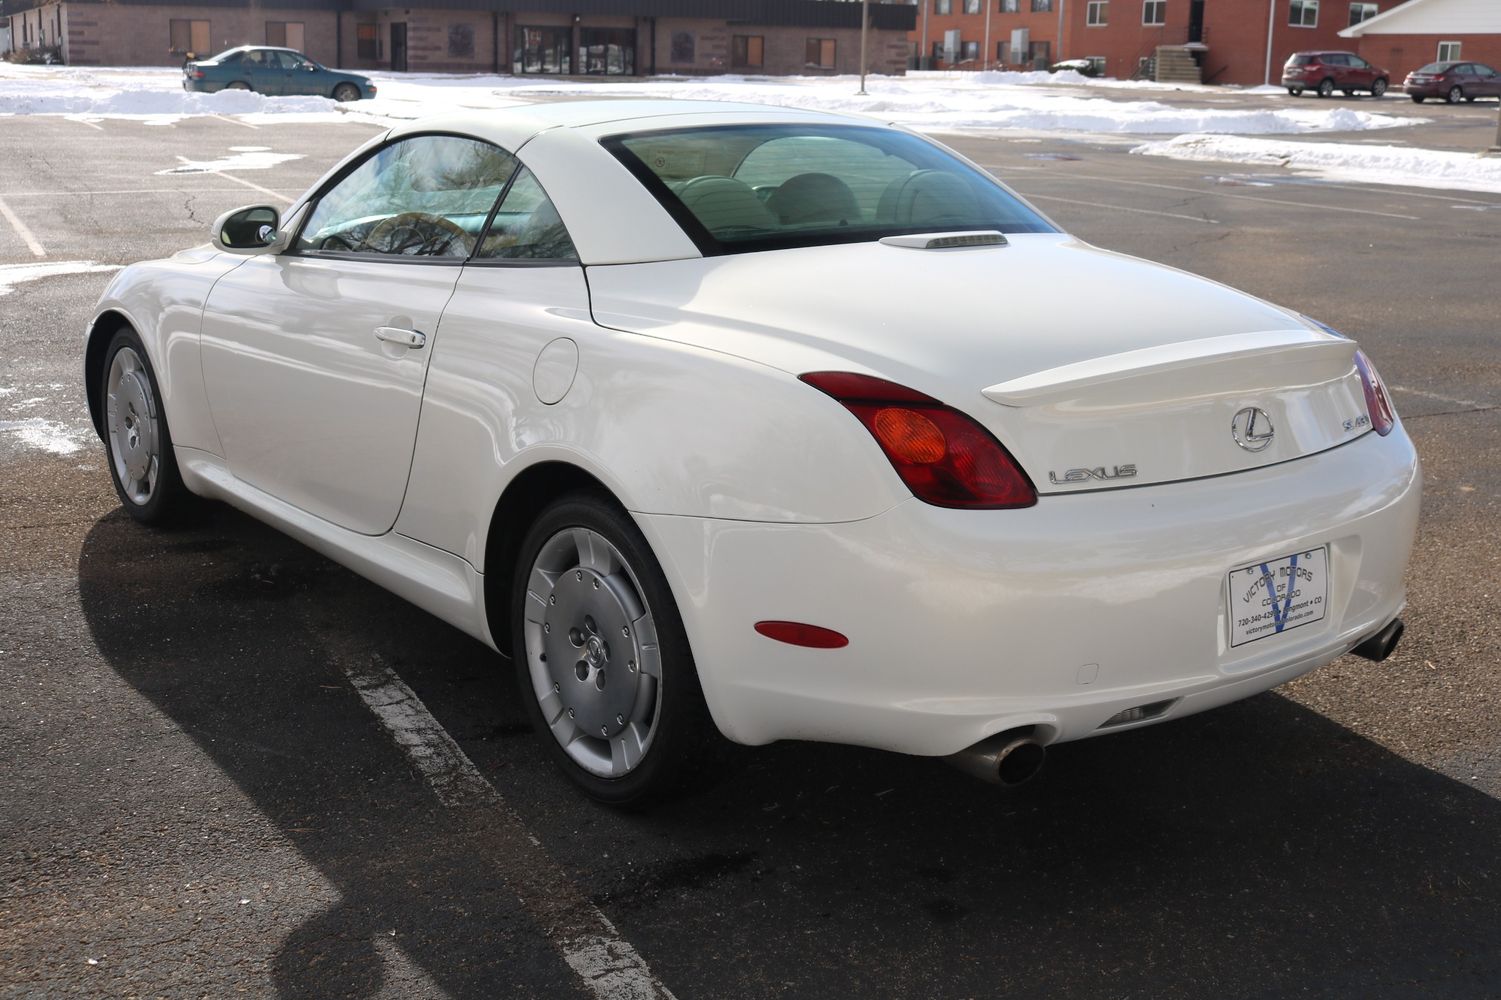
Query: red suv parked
[[1325, 72], [1453, 81]]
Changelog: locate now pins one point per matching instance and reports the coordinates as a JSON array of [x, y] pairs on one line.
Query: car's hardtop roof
[[512, 127], [254, 48]]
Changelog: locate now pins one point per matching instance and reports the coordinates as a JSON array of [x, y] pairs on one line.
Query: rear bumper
[[963, 624]]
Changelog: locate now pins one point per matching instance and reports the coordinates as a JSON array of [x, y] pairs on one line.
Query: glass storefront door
[[607, 51], [542, 50]]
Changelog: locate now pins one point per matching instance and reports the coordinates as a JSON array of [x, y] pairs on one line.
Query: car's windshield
[[739, 188]]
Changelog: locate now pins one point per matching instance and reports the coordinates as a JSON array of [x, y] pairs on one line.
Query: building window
[[286, 34], [1042, 6], [748, 51], [607, 51], [364, 41], [461, 41], [542, 50], [1002, 50], [1098, 13], [682, 47], [1448, 51], [188, 36], [969, 51], [820, 53], [1362, 12], [1154, 12], [971, 6], [1040, 53], [1010, 6], [1303, 13], [943, 6]]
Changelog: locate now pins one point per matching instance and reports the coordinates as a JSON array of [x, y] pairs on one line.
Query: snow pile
[[1042, 102], [929, 104], [1403, 165]]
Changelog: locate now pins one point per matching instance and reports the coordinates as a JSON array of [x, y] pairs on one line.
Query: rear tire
[[1295, 91], [346, 92], [137, 441], [602, 658], [1455, 95], [237, 85], [1326, 87], [1378, 89], [1418, 99]]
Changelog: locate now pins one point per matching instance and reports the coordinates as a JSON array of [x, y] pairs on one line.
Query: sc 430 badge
[[1086, 475]]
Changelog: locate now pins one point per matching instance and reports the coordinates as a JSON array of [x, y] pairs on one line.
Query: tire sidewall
[[166, 496], [682, 723]]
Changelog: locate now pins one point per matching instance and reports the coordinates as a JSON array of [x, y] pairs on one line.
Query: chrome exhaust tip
[[1006, 759], [1381, 645]]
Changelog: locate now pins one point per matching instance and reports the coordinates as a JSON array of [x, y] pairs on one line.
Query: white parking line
[[85, 121], [253, 187], [610, 968], [1470, 403], [234, 121], [131, 191], [1030, 196], [27, 237]]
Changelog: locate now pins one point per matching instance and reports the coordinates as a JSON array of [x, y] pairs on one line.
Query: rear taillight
[[1377, 403], [944, 457], [199, 74]]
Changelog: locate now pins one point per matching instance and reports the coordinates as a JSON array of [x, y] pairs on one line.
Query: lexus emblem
[[1252, 429]]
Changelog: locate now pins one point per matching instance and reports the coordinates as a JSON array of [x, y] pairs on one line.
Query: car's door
[[258, 72], [314, 358], [1339, 69], [297, 75], [1362, 73], [1481, 81]]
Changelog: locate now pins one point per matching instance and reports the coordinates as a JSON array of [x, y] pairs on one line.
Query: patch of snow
[[253, 158], [42, 434], [942, 101], [1400, 165], [13, 274]]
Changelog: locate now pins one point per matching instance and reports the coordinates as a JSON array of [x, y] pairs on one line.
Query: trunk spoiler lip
[[1066, 382]]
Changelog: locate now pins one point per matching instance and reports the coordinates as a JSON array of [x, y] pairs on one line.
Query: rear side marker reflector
[[799, 634]]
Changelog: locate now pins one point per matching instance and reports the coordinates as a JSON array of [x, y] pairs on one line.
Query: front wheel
[[137, 442], [1378, 89], [602, 658], [1455, 95], [346, 92]]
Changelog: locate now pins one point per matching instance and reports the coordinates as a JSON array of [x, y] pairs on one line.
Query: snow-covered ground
[[1042, 102], [1372, 164]]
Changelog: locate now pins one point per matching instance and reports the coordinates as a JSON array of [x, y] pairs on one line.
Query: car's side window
[[426, 196], [527, 226]]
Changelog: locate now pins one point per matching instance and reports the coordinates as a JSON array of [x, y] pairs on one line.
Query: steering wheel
[[418, 234]]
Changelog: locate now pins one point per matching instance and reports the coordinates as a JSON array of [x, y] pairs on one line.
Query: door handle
[[406, 338]]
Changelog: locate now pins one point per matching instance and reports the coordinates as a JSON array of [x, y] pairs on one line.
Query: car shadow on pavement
[[1259, 850]]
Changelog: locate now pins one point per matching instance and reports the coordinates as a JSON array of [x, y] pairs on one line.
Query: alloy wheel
[[133, 422]]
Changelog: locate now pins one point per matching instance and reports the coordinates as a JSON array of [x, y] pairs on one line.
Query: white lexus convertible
[[782, 424]]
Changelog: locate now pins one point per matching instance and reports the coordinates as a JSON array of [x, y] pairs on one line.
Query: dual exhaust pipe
[[1014, 757]]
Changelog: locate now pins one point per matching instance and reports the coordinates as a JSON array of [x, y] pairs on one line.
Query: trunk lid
[[1095, 370]]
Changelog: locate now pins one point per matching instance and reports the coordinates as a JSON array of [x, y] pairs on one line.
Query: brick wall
[[1401, 54], [116, 35]]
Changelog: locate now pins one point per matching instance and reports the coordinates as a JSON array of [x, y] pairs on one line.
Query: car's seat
[[927, 197], [720, 203], [814, 198]]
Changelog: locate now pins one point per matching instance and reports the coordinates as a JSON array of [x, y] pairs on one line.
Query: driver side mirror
[[249, 231]]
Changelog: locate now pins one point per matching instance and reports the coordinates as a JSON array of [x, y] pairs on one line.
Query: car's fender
[[163, 301]]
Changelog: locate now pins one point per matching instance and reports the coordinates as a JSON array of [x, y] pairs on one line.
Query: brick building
[[556, 37], [1209, 41], [1424, 31]]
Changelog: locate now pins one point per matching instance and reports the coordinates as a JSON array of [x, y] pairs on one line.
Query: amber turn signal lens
[[909, 436]]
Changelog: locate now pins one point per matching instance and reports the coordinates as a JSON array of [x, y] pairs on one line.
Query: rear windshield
[[1438, 68], [740, 188], [1303, 59]]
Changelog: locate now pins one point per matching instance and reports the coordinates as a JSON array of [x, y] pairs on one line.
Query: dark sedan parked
[[1453, 81], [274, 72], [1325, 72]]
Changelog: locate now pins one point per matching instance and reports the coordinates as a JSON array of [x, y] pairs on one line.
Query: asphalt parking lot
[[196, 800]]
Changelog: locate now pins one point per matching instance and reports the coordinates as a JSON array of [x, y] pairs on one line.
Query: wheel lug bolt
[[578, 575], [631, 666], [596, 584], [625, 630], [619, 720], [546, 628], [556, 687], [552, 599], [604, 730], [570, 713]]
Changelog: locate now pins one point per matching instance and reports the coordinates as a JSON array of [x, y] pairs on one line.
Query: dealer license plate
[[1271, 597]]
